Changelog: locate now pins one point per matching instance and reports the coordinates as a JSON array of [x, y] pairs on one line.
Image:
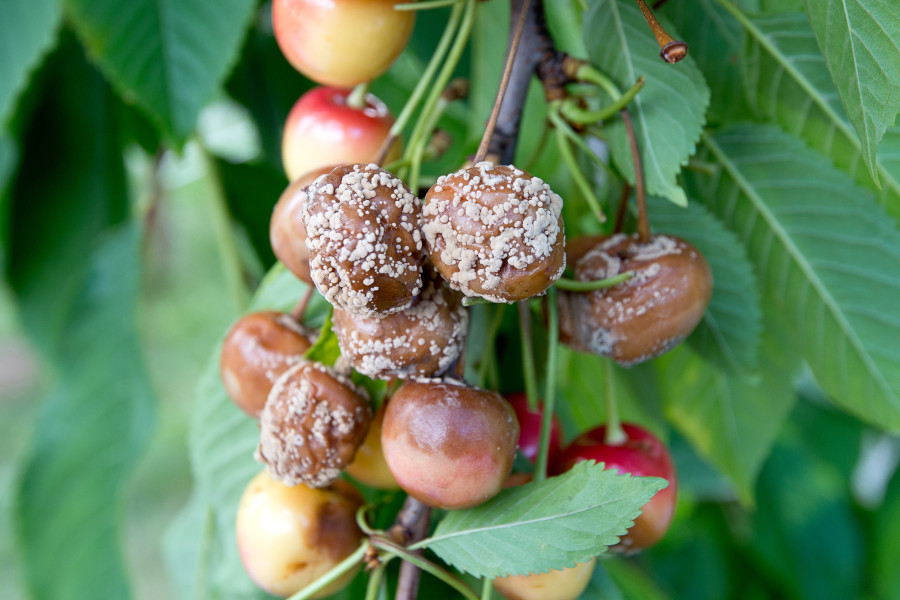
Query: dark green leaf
[[668, 113], [89, 434], [27, 30], [886, 544], [544, 525], [860, 40], [828, 257], [167, 55], [728, 335]]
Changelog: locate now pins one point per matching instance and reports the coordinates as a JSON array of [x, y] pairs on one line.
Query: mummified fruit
[[258, 348], [642, 454], [644, 316], [313, 422], [365, 248], [287, 233], [369, 466], [495, 232], [290, 536], [449, 445], [423, 340], [341, 42], [322, 129]]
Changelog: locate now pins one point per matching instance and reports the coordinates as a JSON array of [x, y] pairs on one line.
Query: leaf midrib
[[803, 265]]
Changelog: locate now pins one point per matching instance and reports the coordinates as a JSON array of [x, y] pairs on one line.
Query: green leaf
[[790, 85], [730, 419], [326, 349], [27, 31], [728, 335], [828, 257], [886, 544], [167, 55], [860, 40], [668, 113], [89, 434], [564, 19], [544, 525]]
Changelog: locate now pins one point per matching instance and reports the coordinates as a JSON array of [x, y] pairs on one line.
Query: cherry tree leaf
[[545, 525], [860, 40], [669, 111], [169, 56]]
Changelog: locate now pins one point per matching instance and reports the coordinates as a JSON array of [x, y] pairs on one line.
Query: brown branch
[[299, 310], [639, 188], [623, 209], [410, 526]]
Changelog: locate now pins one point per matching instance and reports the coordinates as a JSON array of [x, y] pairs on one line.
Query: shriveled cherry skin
[[258, 348], [648, 314], [530, 429], [287, 233], [290, 536], [449, 445], [368, 466], [322, 129], [341, 42], [643, 455]]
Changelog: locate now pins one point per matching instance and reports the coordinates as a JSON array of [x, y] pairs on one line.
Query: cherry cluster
[[396, 269]]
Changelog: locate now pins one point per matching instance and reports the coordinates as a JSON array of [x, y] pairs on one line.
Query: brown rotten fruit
[[495, 231], [449, 445], [313, 422], [290, 536], [423, 340], [365, 247], [258, 348], [646, 315]]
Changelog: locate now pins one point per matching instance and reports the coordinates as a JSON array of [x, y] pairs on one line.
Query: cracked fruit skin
[[290, 536], [449, 445], [341, 42], [642, 454], [322, 130]]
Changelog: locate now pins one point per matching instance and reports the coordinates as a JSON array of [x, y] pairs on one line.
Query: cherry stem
[[504, 83], [573, 113], [639, 189], [332, 575], [426, 4], [575, 169], [299, 310], [410, 525], [361, 521], [528, 367], [357, 98], [419, 146], [540, 467], [623, 209], [615, 435], [487, 588], [587, 73], [424, 82], [671, 50], [487, 367], [573, 285], [424, 564], [375, 580]]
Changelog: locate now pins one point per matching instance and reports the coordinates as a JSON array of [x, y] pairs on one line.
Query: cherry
[[369, 466], [365, 247], [341, 42], [313, 422], [562, 584], [449, 445], [423, 340], [495, 232], [258, 348], [530, 429], [646, 315], [643, 455], [322, 129], [290, 536]]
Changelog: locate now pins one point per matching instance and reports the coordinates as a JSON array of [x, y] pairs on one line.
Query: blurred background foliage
[[139, 163]]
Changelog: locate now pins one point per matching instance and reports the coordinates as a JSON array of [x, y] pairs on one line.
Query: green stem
[[528, 368], [426, 4], [488, 365], [475, 300], [418, 153], [487, 588], [573, 285], [573, 113], [336, 572], [540, 467], [577, 173], [424, 564], [357, 98], [592, 75], [615, 435], [374, 585], [361, 521]]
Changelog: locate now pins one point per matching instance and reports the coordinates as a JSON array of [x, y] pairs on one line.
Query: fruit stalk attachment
[[671, 50]]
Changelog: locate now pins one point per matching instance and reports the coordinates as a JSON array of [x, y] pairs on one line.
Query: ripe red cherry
[[530, 429], [323, 130], [341, 42], [642, 455]]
